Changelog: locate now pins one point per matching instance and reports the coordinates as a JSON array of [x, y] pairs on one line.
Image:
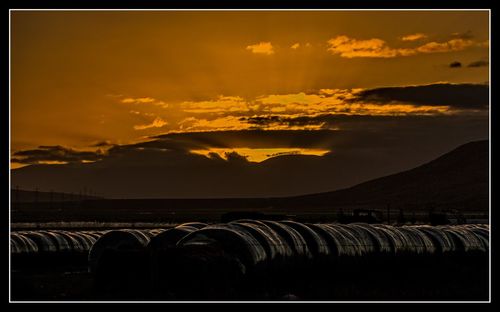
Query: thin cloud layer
[[157, 123], [261, 48], [351, 48], [221, 104], [144, 100], [347, 47], [414, 37], [231, 113], [224, 113], [448, 46]]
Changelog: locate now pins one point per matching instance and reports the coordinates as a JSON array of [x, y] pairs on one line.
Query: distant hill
[[18, 196], [456, 180]]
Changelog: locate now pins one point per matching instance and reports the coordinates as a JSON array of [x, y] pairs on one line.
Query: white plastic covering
[[275, 245], [20, 243], [233, 239]]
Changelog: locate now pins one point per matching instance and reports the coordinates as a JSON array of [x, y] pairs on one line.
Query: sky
[[173, 88]]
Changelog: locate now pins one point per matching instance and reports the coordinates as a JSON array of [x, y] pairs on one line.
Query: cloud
[[448, 46], [325, 101], [340, 101], [164, 167], [138, 100], [218, 123], [345, 122], [261, 48], [55, 154], [156, 123], [295, 46], [455, 64], [459, 96], [235, 113], [350, 48], [219, 105], [480, 63], [378, 48], [353, 131], [144, 100], [362, 147], [414, 37]]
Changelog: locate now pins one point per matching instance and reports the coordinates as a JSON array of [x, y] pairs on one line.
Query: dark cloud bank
[[163, 167], [463, 96], [365, 147]]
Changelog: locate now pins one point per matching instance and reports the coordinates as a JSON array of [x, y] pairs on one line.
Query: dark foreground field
[[217, 263], [463, 278]]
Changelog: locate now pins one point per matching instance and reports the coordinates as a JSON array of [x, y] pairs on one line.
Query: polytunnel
[[294, 239], [399, 243], [44, 242], [482, 233], [169, 238], [237, 242], [418, 241], [73, 240], [338, 243], [442, 241], [359, 240], [127, 240], [61, 242], [465, 240], [21, 244], [275, 246], [379, 240], [315, 242]]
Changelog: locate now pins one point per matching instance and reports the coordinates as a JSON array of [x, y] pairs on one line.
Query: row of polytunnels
[[248, 258]]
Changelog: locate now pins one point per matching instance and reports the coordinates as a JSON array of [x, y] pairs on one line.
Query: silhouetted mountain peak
[[456, 180]]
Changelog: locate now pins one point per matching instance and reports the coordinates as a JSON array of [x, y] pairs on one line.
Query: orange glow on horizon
[[261, 154]]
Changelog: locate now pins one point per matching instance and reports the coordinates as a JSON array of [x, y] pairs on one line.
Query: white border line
[[489, 150], [10, 169], [238, 10], [235, 10]]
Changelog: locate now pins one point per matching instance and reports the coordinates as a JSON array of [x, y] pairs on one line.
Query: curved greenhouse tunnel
[[268, 260]]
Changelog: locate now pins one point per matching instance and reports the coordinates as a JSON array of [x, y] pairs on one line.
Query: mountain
[[171, 174], [457, 180]]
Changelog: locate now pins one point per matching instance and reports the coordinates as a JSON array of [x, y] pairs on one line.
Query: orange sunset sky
[[87, 82]]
